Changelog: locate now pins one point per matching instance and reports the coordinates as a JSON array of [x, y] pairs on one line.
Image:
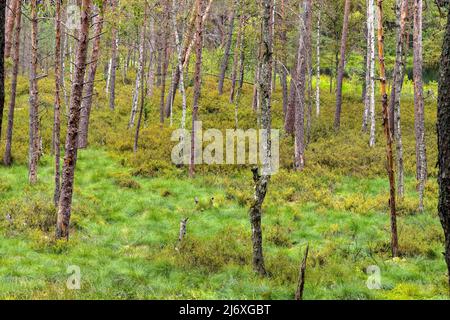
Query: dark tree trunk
[[387, 132], [340, 72], [2, 61], [443, 128], [33, 153], [70, 157], [302, 276], [226, 55], [57, 108], [7, 159], [86, 105]]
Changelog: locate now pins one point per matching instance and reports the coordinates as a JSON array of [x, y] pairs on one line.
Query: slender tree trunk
[[139, 77], [387, 132], [262, 182], [318, 63], [197, 80], [33, 155], [2, 61], [165, 65], [236, 57], [86, 105], [11, 18], [226, 55], [419, 117], [142, 79], [178, 42], [57, 107], [7, 159], [340, 74], [397, 84], [369, 98], [191, 39], [292, 102], [302, 62], [151, 67], [113, 65], [443, 129], [70, 157], [302, 275], [284, 56]]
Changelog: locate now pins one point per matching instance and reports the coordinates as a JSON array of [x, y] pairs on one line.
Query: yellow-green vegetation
[[127, 209]]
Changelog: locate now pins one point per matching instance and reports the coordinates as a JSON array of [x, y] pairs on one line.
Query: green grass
[[125, 243], [127, 209]]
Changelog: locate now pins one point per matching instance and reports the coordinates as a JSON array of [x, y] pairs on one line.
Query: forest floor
[[126, 232], [125, 217]]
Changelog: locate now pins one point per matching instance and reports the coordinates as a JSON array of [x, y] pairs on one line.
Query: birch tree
[[71, 147], [139, 76], [262, 181], [197, 81], [226, 54], [369, 101], [302, 65], [419, 117], [340, 74]]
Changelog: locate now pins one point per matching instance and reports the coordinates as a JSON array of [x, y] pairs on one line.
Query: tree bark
[[57, 106], [70, 158], [443, 129], [142, 79], [139, 77], [197, 80], [318, 64], [340, 74], [7, 159], [302, 68], [419, 117], [10, 21], [236, 57], [113, 65], [301, 278], [86, 105], [164, 66], [284, 56], [397, 84], [262, 182], [191, 39], [226, 55], [33, 153], [369, 101], [387, 132]]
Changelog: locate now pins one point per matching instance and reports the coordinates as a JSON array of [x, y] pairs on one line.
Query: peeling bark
[[70, 158]]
